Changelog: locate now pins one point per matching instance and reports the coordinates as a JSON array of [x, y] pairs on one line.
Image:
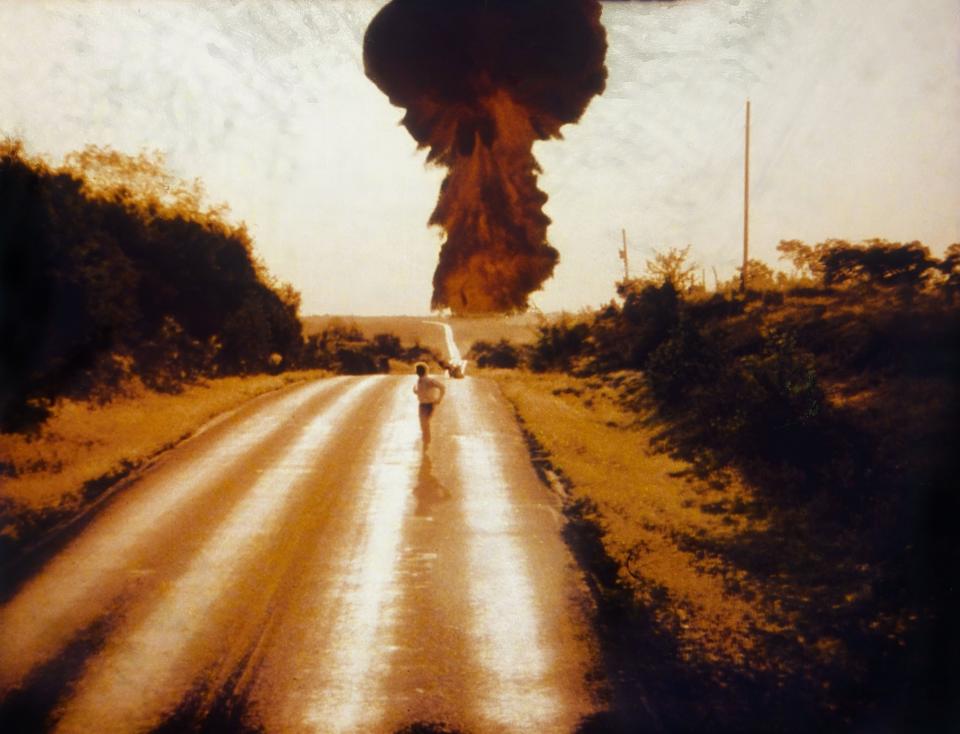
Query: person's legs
[[426, 409]]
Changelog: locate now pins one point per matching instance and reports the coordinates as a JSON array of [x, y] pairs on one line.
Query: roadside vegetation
[[115, 274], [113, 270], [131, 312], [426, 333], [771, 477], [342, 347], [52, 475]]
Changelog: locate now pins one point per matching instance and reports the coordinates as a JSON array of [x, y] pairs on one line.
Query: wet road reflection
[[75, 587], [145, 673], [307, 567], [506, 619], [429, 491], [346, 696]]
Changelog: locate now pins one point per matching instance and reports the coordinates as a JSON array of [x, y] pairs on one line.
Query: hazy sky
[[855, 108]]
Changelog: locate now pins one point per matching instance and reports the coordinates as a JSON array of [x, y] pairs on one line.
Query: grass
[[760, 617], [85, 447], [646, 504]]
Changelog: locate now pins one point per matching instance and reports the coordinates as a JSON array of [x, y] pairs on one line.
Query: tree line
[[113, 272], [833, 391], [742, 377]]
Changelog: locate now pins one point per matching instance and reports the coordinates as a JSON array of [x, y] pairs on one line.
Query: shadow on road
[[30, 707], [429, 491]]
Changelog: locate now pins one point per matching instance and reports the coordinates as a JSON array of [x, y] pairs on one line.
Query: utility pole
[[746, 202], [623, 256]]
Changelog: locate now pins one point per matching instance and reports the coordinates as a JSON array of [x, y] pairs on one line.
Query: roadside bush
[[650, 314], [683, 363], [558, 345], [109, 254], [773, 405], [763, 410], [355, 362], [608, 345], [503, 354], [387, 345], [716, 307], [343, 349]]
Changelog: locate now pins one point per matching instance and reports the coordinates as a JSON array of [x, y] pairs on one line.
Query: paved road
[[302, 566], [453, 353]]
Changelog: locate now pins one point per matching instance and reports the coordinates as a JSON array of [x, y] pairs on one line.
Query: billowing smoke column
[[481, 80]]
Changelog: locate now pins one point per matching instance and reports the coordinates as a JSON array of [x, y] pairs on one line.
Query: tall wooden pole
[[746, 202], [623, 256]]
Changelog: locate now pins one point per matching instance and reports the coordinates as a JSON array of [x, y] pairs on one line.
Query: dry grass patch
[[648, 504], [84, 441]]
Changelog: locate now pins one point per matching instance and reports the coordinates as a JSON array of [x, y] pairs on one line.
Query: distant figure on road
[[429, 392]]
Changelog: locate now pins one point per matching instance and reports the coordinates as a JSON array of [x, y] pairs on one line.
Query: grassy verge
[[728, 612], [51, 476]]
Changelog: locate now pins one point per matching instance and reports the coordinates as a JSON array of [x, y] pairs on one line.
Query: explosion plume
[[481, 81]]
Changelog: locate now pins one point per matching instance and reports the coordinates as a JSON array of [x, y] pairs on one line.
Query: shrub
[[110, 255], [650, 314], [354, 361], [558, 345], [685, 361], [774, 401], [503, 354], [387, 345]]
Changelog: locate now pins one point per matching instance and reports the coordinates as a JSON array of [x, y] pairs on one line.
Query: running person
[[429, 392]]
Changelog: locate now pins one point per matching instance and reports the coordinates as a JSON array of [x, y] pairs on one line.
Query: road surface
[[453, 353], [302, 566]]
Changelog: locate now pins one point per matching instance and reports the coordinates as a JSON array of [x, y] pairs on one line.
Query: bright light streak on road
[[507, 627], [347, 695], [452, 352], [40, 620], [143, 675]]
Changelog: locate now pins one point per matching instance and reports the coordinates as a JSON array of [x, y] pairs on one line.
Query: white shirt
[[429, 390]]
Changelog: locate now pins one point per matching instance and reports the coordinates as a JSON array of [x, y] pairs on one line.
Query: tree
[[760, 276], [141, 181], [672, 267], [109, 260], [878, 263], [804, 258], [950, 267]]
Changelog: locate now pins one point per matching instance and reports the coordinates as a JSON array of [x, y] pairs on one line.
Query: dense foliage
[[342, 347], [835, 383], [112, 269], [833, 392], [502, 354], [743, 377]]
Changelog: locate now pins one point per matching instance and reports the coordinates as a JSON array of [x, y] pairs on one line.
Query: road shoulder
[[86, 451]]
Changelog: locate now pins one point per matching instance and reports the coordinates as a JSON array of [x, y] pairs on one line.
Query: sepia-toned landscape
[[528, 378]]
